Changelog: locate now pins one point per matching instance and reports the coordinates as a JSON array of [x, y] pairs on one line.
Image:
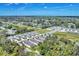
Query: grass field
[[66, 35], [41, 31]]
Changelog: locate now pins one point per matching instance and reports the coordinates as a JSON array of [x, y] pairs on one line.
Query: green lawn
[[66, 35], [41, 30]]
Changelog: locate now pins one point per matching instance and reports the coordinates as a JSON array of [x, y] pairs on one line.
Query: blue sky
[[39, 9]]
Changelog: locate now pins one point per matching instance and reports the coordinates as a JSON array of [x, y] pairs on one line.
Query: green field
[[41, 31], [68, 36]]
